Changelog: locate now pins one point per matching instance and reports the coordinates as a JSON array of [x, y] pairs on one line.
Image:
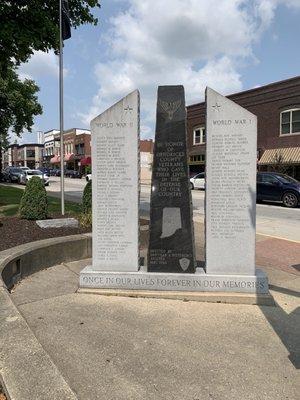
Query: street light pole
[[61, 111]]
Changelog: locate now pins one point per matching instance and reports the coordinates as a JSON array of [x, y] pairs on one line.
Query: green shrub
[[34, 202], [87, 198], [85, 219], [88, 169]]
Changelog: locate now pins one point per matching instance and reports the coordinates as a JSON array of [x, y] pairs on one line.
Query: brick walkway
[[279, 254]]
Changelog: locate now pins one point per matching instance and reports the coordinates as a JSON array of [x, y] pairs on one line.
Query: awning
[[55, 160], [195, 151], [69, 156], [86, 161], [288, 155]]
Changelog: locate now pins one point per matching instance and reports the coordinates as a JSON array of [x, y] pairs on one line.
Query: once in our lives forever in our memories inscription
[[230, 198], [171, 244], [115, 189]]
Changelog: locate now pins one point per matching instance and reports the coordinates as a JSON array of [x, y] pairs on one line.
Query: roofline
[[268, 85], [71, 129], [51, 130], [26, 144], [65, 130]]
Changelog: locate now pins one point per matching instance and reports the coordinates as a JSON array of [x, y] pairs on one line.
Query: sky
[[229, 45]]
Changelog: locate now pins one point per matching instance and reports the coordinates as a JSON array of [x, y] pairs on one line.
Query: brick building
[[277, 107], [51, 145], [146, 159], [77, 149], [25, 155]]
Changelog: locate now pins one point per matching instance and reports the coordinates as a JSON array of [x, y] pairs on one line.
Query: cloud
[[190, 42], [41, 64], [26, 137], [266, 9]]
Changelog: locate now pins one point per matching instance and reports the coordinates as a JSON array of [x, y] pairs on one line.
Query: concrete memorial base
[[199, 286], [207, 297]]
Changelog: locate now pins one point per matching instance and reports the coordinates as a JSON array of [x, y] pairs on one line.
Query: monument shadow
[[286, 326]]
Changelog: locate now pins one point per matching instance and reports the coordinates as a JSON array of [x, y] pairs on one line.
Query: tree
[[27, 26], [18, 106], [18, 103]]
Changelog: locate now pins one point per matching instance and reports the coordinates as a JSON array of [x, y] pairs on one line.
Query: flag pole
[[61, 111]]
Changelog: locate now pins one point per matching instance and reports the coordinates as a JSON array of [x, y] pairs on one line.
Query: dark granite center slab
[[171, 244]]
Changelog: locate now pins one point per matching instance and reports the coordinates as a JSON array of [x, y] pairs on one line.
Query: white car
[[28, 174], [88, 177], [198, 181]]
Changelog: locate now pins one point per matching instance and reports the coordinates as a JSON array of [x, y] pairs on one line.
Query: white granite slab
[[115, 186], [230, 196], [58, 223]]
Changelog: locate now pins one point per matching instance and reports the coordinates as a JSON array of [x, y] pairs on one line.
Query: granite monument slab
[[230, 202], [171, 244], [115, 186], [230, 195]]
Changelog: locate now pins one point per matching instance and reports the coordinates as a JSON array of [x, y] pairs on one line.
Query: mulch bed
[[2, 395], [16, 231]]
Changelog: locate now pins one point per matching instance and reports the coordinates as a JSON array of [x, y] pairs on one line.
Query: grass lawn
[[10, 198]]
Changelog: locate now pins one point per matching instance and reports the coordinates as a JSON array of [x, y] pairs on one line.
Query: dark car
[[45, 170], [273, 186], [73, 174], [55, 172], [12, 174]]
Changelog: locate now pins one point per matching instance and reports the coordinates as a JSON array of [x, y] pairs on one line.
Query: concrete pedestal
[[199, 286]]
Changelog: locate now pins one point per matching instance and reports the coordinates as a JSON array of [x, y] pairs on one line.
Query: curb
[[21, 261], [26, 369]]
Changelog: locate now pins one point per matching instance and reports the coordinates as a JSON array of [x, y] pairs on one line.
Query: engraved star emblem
[[128, 109], [216, 107]]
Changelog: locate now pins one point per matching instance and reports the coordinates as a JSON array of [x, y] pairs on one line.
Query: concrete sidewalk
[[124, 348], [116, 348]]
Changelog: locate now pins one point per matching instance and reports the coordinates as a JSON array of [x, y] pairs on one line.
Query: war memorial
[[230, 201], [122, 334]]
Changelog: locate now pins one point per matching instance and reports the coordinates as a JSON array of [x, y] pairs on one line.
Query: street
[[271, 219]]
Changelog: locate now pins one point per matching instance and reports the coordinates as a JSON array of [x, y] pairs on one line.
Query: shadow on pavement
[[284, 290], [296, 267], [286, 326]]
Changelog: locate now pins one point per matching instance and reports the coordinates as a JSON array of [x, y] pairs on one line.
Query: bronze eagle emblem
[[170, 108]]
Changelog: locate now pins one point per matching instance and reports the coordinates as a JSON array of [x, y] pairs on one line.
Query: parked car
[[273, 186], [44, 170], [73, 174], [31, 173], [12, 174], [55, 172], [198, 181], [24, 168], [88, 177]]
